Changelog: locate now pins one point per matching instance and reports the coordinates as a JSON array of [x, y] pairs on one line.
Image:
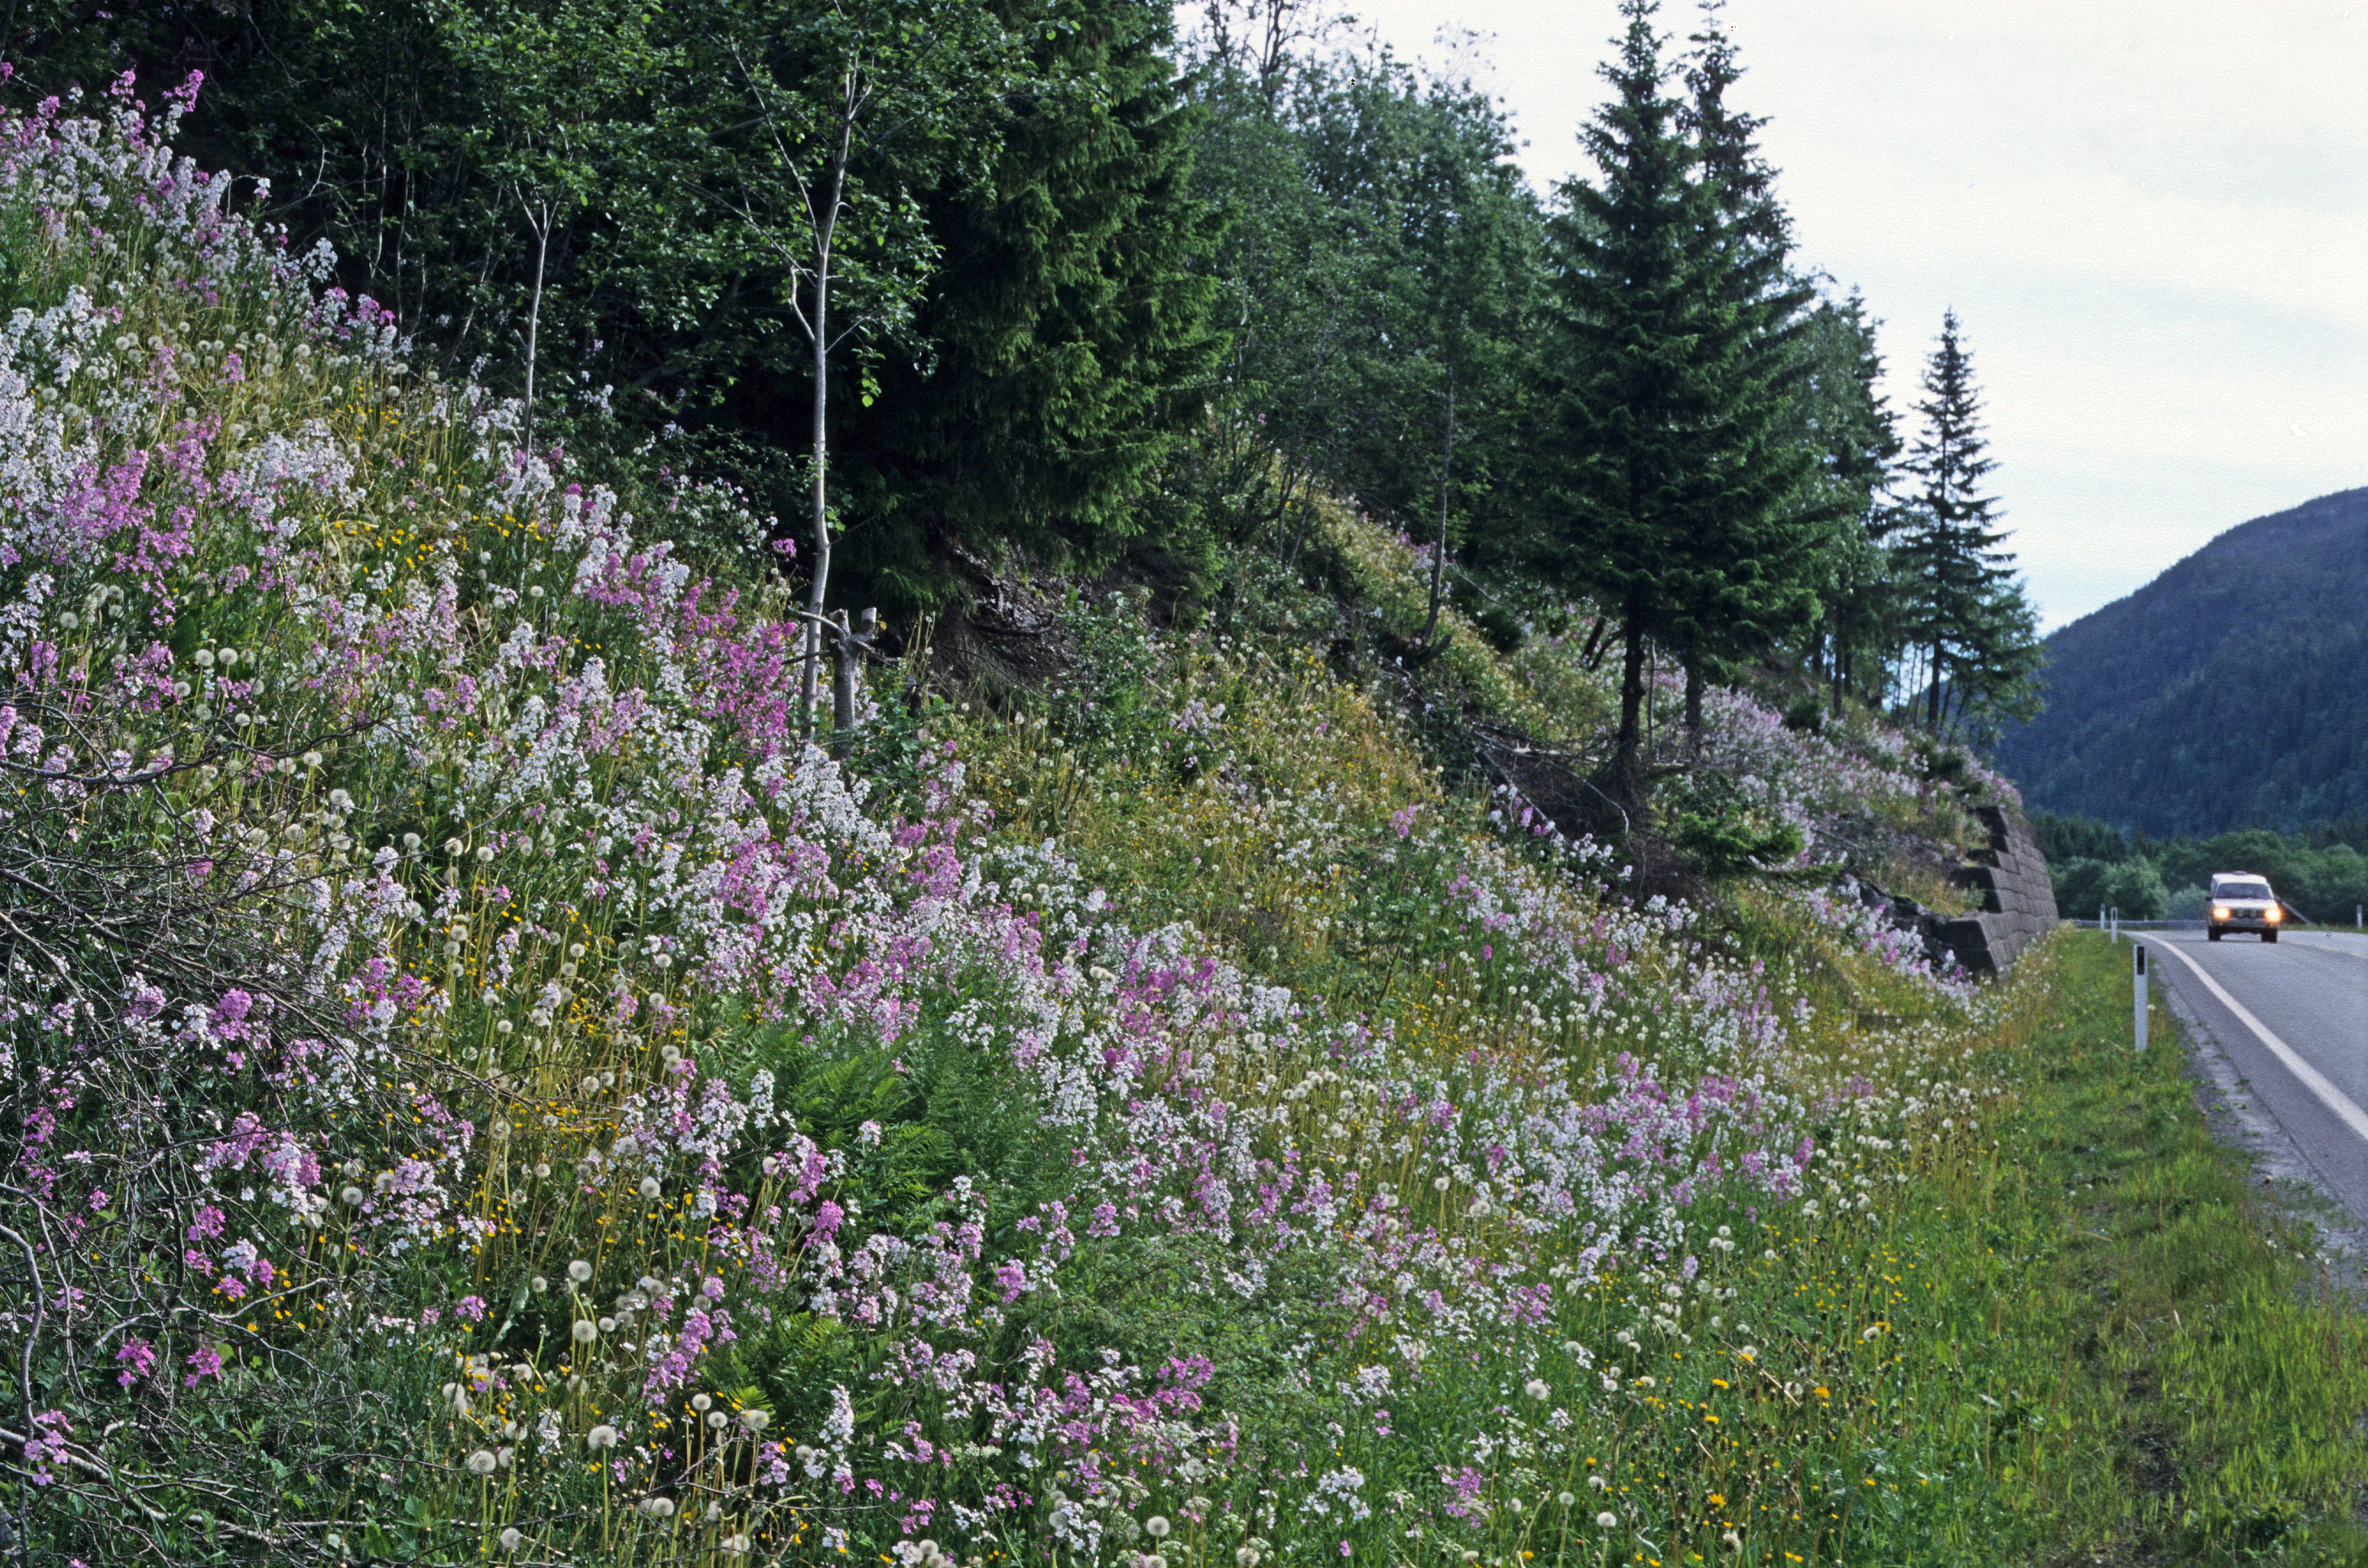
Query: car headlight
[[2219, 915], [2272, 913]]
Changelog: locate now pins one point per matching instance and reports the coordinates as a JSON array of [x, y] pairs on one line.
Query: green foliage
[[1068, 335], [2066, 839], [1710, 821], [2079, 885], [2135, 887], [1838, 407], [1381, 266], [1109, 707], [33, 276]]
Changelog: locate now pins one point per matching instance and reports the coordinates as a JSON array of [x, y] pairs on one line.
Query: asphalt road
[[2290, 1021]]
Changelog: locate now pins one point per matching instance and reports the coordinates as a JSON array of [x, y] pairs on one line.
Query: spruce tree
[[1069, 336], [1685, 503], [1754, 551], [1840, 412], [1632, 393], [1965, 611]]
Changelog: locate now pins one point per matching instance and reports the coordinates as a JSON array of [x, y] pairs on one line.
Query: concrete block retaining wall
[[2017, 896]]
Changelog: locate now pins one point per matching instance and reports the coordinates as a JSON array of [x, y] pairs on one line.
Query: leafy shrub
[[2135, 887]]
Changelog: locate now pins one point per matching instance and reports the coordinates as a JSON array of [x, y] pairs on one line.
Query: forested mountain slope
[[2224, 694]]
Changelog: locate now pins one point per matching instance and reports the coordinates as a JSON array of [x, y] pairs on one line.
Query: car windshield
[[2244, 890]]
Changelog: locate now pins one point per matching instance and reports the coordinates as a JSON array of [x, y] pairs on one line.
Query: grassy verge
[[2162, 1375], [2077, 1335]]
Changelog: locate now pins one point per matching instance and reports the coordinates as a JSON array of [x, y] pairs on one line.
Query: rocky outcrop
[[2018, 900]]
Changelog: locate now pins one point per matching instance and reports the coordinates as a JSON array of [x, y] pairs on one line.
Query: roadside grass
[[2080, 1336], [2178, 1381]]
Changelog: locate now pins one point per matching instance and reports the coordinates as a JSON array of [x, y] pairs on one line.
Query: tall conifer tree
[[1069, 338], [1685, 501], [1753, 550], [1968, 613], [1840, 411], [1631, 392]]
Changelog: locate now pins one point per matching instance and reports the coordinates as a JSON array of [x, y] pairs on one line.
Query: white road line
[[2333, 1098]]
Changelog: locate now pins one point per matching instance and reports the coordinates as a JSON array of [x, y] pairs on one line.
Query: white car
[[2242, 900]]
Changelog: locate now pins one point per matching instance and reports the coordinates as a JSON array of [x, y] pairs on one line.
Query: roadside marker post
[[2138, 988], [2117, 925]]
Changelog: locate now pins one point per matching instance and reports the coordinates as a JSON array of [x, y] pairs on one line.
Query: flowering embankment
[[481, 1083]]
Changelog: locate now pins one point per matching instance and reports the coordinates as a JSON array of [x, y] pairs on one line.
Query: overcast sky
[[2152, 219]]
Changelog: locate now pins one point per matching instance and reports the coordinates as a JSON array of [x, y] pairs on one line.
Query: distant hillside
[[2231, 691]]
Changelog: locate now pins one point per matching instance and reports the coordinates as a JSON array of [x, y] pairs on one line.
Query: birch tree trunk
[[819, 329], [1438, 556], [534, 307]]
